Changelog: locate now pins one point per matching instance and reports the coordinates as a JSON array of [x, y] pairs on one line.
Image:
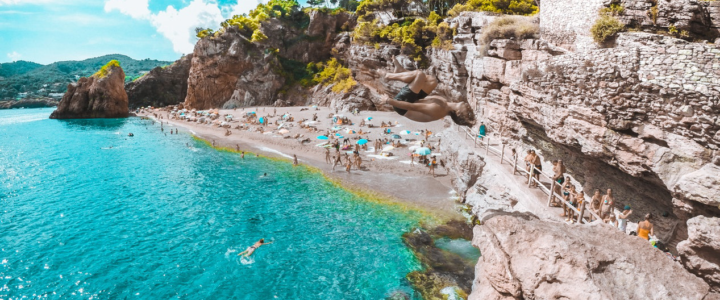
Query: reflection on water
[[86, 212]]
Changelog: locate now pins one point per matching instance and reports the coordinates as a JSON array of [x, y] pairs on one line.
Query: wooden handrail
[[551, 194]]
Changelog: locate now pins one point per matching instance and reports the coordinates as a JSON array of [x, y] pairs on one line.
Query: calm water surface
[[89, 213]]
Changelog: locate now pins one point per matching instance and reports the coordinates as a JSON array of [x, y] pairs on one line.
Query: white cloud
[[14, 56], [178, 25], [137, 9]]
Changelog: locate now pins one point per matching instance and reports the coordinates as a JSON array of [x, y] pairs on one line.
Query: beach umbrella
[[396, 137], [404, 132], [423, 151], [262, 120], [369, 118], [322, 137], [283, 131], [362, 142], [350, 131], [337, 134]]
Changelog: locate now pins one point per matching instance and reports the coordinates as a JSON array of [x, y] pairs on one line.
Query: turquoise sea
[[87, 212]]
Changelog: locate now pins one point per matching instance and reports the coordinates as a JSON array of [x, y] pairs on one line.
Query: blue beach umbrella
[[423, 151], [362, 141], [262, 120], [396, 137], [405, 132], [322, 137]]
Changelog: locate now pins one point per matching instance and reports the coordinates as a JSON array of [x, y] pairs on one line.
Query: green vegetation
[[201, 33], [605, 28], [506, 27], [103, 72], [332, 72], [249, 24], [508, 7], [39, 80], [413, 35]]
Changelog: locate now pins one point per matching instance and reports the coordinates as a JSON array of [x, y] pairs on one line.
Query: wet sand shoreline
[[392, 179]]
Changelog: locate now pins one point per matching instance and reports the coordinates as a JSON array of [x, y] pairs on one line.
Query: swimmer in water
[[249, 251]]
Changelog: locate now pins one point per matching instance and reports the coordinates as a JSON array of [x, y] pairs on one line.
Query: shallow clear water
[[462, 247], [151, 218]]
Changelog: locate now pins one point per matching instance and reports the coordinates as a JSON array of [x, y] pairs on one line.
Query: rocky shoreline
[[29, 103]]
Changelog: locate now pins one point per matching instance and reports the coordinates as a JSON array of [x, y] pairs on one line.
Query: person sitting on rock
[[415, 102]]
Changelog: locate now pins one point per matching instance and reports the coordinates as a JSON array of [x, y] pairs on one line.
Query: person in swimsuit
[[570, 197], [415, 102], [249, 251], [607, 204], [595, 202], [645, 228], [559, 170], [295, 161]]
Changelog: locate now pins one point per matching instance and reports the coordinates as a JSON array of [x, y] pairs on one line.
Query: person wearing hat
[[623, 217]]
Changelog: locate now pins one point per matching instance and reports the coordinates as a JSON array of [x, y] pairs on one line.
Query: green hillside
[[40, 80]]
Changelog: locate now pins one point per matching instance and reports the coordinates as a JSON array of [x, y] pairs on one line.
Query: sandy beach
[[391, 177]]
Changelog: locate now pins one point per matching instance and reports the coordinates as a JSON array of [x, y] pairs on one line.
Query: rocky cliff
[[99, 96], [526, 258], [161, 86], [228, 70]]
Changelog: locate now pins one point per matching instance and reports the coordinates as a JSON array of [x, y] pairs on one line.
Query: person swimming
[[250, 250]]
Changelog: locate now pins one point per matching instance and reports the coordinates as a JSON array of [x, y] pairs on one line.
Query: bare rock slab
[[526, 258]]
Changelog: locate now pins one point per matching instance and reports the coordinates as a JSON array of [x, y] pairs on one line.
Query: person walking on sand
[[237, 147], [295, 161], [327, 156], [412, 159], [645, 228], [250, 250], [348, 165], [432, 167], [338, 161]]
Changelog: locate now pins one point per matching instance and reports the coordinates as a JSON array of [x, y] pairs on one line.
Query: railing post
[[502, 154], [514, 164], [487, 146], [582, 212], [530, 174], [552, 193]]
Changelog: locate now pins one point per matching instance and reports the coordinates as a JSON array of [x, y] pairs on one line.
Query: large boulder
[[99, 96], [700, 253], [162, 86], [526, 258]]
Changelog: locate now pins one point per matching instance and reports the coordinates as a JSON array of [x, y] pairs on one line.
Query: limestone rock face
[[95, 97], [161, 86], [229, 71], [526, 258], [700, 253], [358, 98]]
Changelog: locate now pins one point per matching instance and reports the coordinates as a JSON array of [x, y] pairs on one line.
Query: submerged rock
[[526, 258], [700, 253], [99, 96]]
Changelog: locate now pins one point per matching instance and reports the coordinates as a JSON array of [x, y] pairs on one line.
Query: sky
[[46, 31]]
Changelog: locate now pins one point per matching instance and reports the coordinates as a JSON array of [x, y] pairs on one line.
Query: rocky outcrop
[[526, 258], [28, 103], [358, 98], [700, 253], [162, 86], [229, 71], [95, 97], [701, 18]]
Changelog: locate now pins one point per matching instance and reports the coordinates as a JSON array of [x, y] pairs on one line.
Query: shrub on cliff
[[104, 70], [508, 7], [250, 23], [606, 27], [332, 72], [413, 35], [506, 27]]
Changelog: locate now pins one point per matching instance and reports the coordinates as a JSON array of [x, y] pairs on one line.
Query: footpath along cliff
[[626, 93]]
